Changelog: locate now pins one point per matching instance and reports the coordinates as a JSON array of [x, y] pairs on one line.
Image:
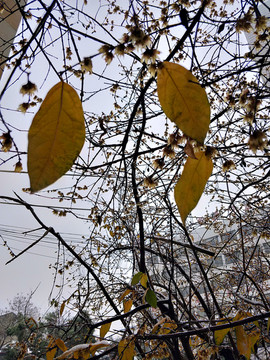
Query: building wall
[[10, 18]]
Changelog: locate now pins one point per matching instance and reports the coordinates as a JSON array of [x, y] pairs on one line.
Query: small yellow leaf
[[167, 327], [144, 280], [127, 305], [31, 322], [60, 344], [62, 307], [55, 137], [97, 346], [125, 293], [158, 325], [104, 329], [192, 182], [183, 100], [126, 349], [164, 326]]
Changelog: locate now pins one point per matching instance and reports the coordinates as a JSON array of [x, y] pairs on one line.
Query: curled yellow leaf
[[183, 100], [104, 329], [192, 182], [56, 136]]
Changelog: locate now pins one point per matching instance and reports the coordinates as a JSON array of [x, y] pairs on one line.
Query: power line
[[26, 236]]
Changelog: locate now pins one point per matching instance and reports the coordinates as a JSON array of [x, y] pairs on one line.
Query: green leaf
[[183, 100], [192, 182], [136, 278], [151, 298], [55, 137]]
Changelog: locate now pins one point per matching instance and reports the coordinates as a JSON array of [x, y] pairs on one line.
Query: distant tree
[[149, 105], [22, 305], [32, 336]]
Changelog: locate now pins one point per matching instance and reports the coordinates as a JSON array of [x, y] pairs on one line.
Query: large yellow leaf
[[183, 100], [192, 182], [104, 329], [55, 137], [219, 335], [242, 340], [246, 340], [126, 349], [51, 350]]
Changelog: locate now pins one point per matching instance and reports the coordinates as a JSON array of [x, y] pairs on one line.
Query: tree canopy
[[146, 107]]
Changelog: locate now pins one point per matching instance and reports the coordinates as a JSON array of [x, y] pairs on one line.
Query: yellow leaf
[[51, 350], [183, 100], [62, 307], [55, 137], [254, 336], [245, 341], [97, 346], [242, 342], [60, 344], [126, 349], [125, 293], [104, 329], [219, 335], [192, 182], [31, 322], [164, 326], [167, 327], [144, 280], [127, 305]]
